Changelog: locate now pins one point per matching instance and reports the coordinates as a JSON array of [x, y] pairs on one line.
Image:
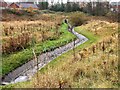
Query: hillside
[[93, 64]]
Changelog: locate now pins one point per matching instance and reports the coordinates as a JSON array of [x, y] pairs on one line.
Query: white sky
[[63, 0]]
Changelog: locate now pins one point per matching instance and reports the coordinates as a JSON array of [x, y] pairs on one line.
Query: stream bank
[[27, 71]]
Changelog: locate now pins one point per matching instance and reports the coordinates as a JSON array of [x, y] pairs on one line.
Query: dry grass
[[96, 70], [101, 28], [18, 35], [92, 67]]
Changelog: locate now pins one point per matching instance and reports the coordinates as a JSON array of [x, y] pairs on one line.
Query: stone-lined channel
[[27, 71]]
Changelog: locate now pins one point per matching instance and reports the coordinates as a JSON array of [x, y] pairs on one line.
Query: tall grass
[[95, 66], [17, 37], [12, 61]]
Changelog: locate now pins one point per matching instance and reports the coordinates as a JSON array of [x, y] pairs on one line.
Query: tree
[[68, 7], [62, 7], [75, 7], [101, 8], [89, 7], [97, 8], [43, 5]]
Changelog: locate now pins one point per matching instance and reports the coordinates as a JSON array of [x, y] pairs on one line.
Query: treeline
[[93, 8], [68, 7], [60, 7], [97, 8], [43, 5]]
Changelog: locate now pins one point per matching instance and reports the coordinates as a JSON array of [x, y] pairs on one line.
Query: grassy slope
[[61, 59], [65, 70], [90, 72], [92, 39], [10, 62]]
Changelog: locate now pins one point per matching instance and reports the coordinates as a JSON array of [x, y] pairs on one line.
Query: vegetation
[[94, 64], [12, 61], [19, 37], [91, 8], [17, 40], [29, 12], [68, 7], [78, 18], [43, 5], [113, 16], [97, 8]]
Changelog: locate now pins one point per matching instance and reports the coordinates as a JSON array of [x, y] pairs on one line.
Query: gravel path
[[27, 71]]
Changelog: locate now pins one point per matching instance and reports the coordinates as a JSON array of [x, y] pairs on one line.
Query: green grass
[[11, 86], [61, 59], [12, 61], [64, 68], [91, 40]]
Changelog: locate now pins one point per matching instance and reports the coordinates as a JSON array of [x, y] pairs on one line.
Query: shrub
[[114, 16], [15, 11], [77, 19]]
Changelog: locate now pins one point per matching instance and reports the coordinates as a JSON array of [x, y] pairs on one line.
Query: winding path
[[26, 71]]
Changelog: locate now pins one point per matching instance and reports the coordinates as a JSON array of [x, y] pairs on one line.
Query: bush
[[114, 16], [77, 18], [15, 11], [18, 12], [47, 11]]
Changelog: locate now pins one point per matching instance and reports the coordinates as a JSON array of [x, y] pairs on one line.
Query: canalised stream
[[28, 70]]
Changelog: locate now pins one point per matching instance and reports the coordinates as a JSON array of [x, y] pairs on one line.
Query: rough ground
[[27, 70]]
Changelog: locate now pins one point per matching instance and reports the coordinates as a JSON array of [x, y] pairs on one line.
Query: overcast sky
[[62, 0]]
